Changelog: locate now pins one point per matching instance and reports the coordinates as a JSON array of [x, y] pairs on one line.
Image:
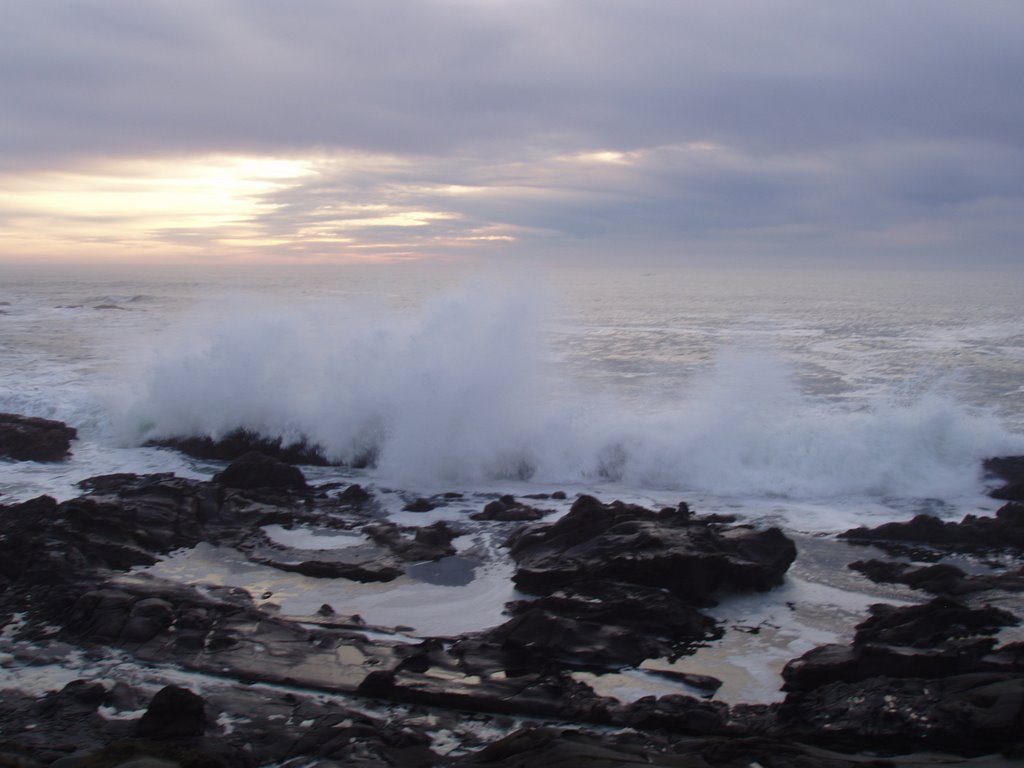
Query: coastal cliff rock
[[27, 438]]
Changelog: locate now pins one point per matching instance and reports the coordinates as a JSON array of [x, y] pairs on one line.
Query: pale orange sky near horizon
[[188, 209]]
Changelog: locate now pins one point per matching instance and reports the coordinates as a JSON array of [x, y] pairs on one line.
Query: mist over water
[[474, 385]]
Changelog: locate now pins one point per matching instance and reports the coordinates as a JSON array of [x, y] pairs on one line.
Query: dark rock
[[821, 666], [597, 626], [575, 748], [27, 438], [645, 610], [430, 542], [938, 639], [705, 683], [1008, 468], [1009, 492], [174, 713], [1011, 516], [236, 444], [971, 534], [667, 550], [939, 579], [326, 569], [355, 495], [930, 624], [507, 509], [119, 482], [537, 637], [964, 714], [76, 697], [257, 470], [675, 713], [1011, 470], [419, 505], [553, 694]]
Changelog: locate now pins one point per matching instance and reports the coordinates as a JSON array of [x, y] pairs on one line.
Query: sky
[[737, 131]]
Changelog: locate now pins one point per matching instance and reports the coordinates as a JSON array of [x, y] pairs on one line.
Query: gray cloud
[[849, 128]]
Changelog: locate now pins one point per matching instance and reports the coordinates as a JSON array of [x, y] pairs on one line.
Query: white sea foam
[[466, 391]]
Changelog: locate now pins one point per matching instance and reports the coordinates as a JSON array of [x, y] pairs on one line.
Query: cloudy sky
[[779, 131]]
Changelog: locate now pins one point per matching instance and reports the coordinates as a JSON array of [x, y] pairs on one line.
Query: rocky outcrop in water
[[27, 438], [939, 578], [508, 510], [257, 470], [690, 558], [974, 534], [1009, 469], [924, 676], [239, 442]]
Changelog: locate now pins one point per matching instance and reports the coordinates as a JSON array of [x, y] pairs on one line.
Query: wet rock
[[419, 505], [174, 713], [675, 713], [27, 438], [1011, 470], [705, 683], [123, 482], [431, 542], [930, 624], [236, 444], [671, 550], [938, 639], [257, 470], [537, 637], [553, 694], [644, 610], [941, 578], [326, 569], [507, 509], [575, 748], [355, 495], [44, 729], [594, 625], [971, 534], [562, 747], [964, 714]]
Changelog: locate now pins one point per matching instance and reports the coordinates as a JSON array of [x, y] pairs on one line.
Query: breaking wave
[[465, 390]]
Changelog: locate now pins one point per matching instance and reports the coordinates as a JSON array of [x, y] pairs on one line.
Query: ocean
[[816, 401], [819, 399]]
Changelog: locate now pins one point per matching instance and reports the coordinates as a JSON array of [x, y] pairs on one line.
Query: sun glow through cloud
[[237, 207], [124, 205]]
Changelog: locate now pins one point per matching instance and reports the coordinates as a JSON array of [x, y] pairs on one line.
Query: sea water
[[812, 400], [812, 396]]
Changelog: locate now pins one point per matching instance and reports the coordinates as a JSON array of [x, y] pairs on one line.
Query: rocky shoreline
[[207, 674]]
